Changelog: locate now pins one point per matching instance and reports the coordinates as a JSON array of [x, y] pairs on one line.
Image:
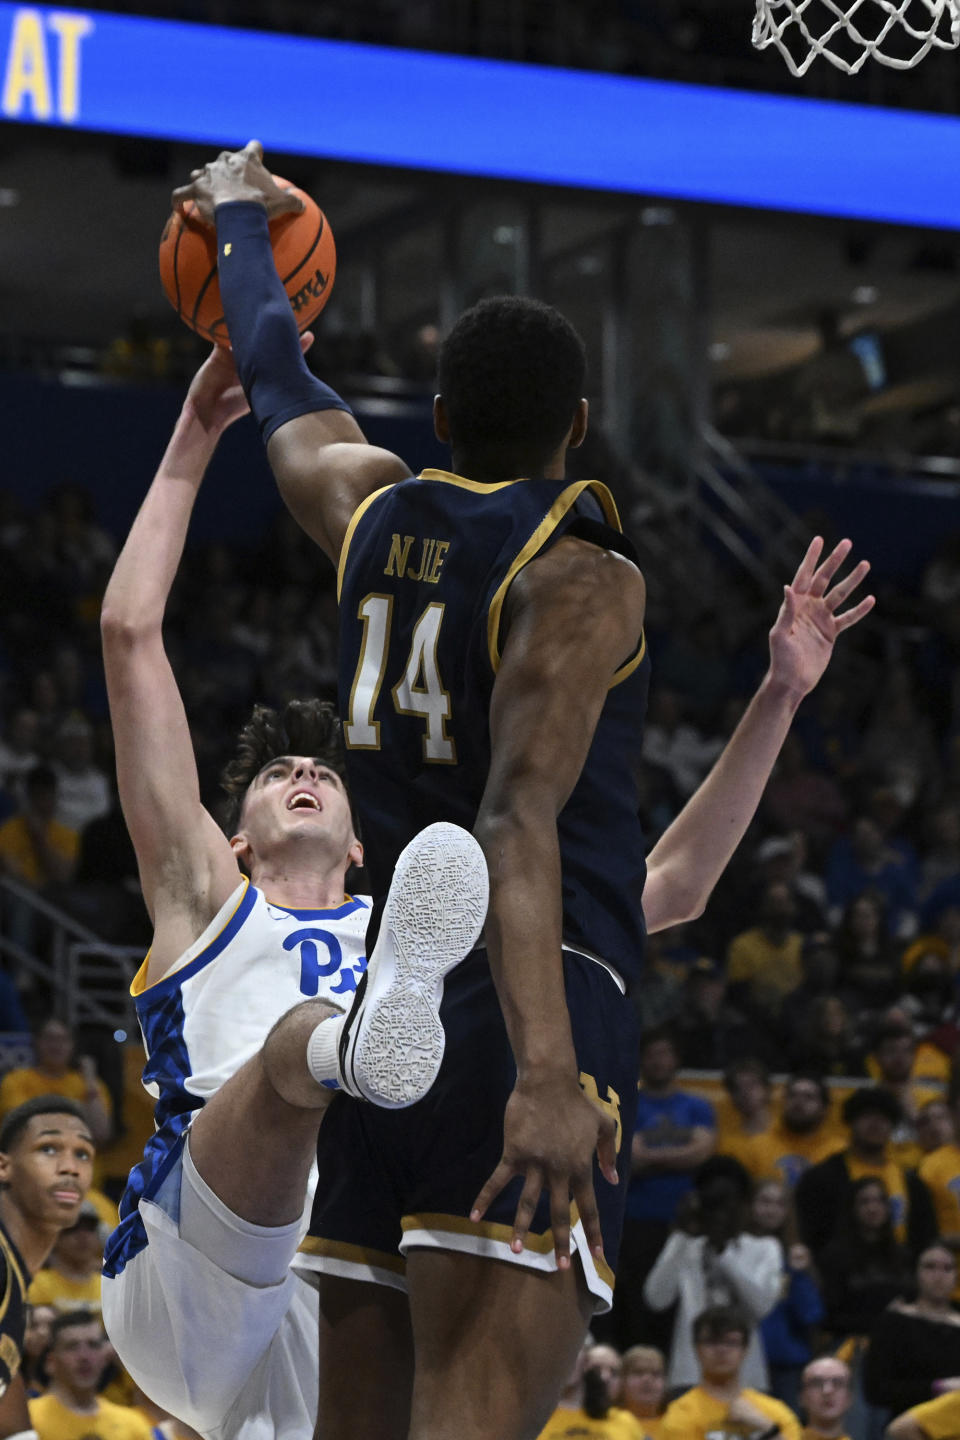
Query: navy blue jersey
[[14, 1280], [424, 574]]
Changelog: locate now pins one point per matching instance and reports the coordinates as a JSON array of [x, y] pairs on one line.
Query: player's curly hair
[[511, 374], [302, 727]]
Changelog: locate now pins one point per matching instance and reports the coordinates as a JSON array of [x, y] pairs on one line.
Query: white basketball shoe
[[391, 1041]]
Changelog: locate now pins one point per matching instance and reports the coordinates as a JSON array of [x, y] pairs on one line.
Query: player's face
[[49, 1169], [78, 1356], [295, 796]]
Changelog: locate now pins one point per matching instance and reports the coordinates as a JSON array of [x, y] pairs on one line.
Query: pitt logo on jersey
[[321, 956]]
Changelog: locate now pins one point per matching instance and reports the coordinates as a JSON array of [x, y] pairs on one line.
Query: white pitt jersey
[[253, 963], [213, 1011]]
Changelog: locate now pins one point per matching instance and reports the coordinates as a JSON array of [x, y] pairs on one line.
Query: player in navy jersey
[[46, 1168], [493, 671], [257, 952]]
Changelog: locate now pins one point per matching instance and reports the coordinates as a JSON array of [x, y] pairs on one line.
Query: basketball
[[303, 248]]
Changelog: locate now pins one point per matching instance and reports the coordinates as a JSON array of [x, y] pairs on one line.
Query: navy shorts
[[394, 1180]]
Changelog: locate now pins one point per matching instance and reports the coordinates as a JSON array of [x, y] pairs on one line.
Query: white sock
[[322, 1052]]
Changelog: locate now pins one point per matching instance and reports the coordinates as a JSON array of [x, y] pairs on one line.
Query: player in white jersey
[[241, 996]]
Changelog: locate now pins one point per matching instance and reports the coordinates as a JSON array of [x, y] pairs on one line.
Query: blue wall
[[110, 439], [894, 521]]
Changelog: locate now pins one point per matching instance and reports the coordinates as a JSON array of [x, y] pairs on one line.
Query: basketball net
[[848, 33]]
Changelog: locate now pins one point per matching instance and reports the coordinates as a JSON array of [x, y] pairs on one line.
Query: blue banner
[[137, 76]]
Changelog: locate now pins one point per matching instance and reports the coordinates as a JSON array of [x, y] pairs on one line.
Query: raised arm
[[319, 455], [187, 868], [690, 856], [574, 616]]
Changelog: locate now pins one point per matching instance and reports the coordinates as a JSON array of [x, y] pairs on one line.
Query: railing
[[88, 978], [727, 501], [834, 460], [740, 509], [98, 985]]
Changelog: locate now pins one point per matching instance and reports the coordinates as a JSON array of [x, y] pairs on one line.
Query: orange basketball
[[303, 249]]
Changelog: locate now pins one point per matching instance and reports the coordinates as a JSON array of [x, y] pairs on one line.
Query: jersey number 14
[[419, 691]]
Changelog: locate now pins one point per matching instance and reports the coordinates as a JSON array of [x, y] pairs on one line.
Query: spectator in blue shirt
[[863, 860], [675, 1132]]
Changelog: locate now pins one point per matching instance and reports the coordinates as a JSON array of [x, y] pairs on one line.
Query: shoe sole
[[393, 1041]]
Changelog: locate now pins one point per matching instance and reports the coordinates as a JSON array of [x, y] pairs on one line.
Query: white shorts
[[231, 1352]]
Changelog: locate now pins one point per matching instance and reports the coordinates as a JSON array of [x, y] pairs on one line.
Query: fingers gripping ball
[[303, 248]]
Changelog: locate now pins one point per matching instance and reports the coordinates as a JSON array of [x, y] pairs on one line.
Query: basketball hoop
[[848, 33]]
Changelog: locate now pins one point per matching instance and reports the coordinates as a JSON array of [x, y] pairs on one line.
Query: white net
[[848, 33]]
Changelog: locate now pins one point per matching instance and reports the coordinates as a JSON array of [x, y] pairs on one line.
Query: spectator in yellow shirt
[[935, 1125], [70, 1280], [36, 850], [71, 1409], [34, 847], [897, 1064], [584, 1411], [940, 1170], [807, 1131], [643, 1385], [764, 962], [826, 1395], [54, 1073], [933, 1420], [719, 1408], [745, 1127]]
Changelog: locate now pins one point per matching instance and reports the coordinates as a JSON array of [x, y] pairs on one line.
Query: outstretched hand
[[810, 619], [236, 175], [216, 395], [551, 1132]]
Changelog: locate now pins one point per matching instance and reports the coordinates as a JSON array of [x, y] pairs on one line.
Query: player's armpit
[[324, 468]]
